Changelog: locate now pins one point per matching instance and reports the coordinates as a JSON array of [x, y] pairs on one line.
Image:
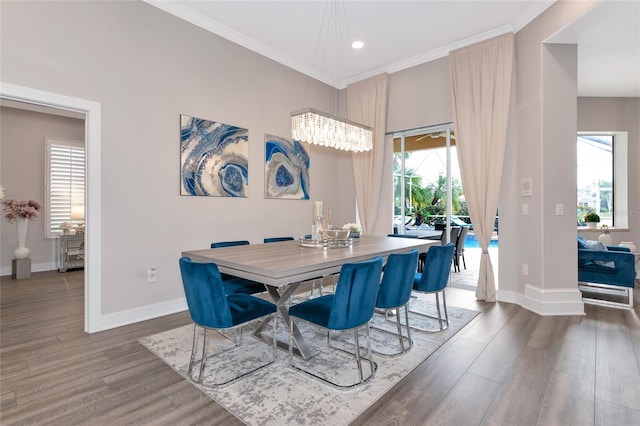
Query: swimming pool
[[472, 242]]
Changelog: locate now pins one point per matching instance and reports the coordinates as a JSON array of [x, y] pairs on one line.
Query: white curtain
[[481, 90], [367, 104]]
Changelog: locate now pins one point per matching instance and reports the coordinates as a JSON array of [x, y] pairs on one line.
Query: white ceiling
[[402, 34], [608, 39], [397, 34]]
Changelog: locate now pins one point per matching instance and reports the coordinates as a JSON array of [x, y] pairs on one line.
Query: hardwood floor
[[507, 367]]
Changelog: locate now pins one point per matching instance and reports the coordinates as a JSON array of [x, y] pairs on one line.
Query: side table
[[71, 252]]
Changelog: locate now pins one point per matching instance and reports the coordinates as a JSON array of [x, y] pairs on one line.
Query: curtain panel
[[480, 93], [367, 104]]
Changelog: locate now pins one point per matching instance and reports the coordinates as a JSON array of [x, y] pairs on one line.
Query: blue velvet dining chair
[[434, 279], [212, 309], [277, 239], [395, 292], [237, 285], [349, 309]]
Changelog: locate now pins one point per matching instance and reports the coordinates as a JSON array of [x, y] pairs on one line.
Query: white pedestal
[[21, 268]]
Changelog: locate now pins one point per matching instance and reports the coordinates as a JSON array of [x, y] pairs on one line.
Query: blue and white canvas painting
[[286, 169], [214, 158]]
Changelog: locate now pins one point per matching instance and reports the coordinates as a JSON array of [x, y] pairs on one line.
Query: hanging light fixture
[[319, 128]]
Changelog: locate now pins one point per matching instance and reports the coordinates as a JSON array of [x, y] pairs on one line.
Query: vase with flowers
[[21, 212]]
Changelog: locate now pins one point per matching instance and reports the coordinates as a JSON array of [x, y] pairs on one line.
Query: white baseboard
[[567, 301], [35, 267], [507, 296], [118, 319]]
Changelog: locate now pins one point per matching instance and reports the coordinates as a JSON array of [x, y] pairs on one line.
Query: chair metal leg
[[406, 319], [400, 331], [444, 304], [193, 349], [203, 358], [357, 356], [439, 317], [372, 365], [358, 360], [290, 341], [234, 337], [438, 308], [401, 337]]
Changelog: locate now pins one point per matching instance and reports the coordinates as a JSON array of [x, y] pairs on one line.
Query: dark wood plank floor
[[508, 367]]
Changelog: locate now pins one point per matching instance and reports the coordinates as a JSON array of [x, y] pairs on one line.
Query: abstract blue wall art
[[214, 158], [286, 169]]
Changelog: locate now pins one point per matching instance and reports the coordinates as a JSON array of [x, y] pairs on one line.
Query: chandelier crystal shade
[[319, 128]]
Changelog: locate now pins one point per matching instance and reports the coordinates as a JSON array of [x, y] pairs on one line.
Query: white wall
[[420, 96], [146, 68], [22, 173], [542, 153]]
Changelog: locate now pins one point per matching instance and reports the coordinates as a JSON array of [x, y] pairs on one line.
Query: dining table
[[283, 266]]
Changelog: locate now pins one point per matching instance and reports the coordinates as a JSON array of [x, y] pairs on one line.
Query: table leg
[[301, 349]]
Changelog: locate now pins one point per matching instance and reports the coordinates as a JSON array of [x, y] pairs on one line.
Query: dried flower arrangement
[[351, 226], [14, 209]]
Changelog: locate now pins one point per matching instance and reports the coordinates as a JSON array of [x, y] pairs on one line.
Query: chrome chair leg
[[370, 355], [399, 326], [440, 318], [406, 319], [444, 304], [203, 359], [358, 360], [438, 309], [290, 342], [401, 337], [193, 349]]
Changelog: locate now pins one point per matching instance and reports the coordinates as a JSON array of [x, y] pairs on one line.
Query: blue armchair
[[612, 268]]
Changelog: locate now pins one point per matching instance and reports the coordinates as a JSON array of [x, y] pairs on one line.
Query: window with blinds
[[65, 182]]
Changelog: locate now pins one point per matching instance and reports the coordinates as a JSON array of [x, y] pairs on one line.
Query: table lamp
[[77, 213]]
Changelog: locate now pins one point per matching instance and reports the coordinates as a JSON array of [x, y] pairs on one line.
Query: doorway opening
[[92, 117]]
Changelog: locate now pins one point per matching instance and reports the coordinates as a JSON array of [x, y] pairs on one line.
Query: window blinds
[[65, 177]]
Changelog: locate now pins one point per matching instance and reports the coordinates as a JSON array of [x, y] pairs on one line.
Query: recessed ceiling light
[[357, 44]]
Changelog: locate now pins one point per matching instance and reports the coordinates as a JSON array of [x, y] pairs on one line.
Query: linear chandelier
[[312, 126]]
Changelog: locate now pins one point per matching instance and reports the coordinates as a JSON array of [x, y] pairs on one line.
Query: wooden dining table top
[[281, 263]]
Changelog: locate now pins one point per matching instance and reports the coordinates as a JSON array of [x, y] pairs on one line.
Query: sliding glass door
[[428, 191]]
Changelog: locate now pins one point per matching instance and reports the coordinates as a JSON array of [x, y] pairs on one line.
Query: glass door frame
[[439, 128]]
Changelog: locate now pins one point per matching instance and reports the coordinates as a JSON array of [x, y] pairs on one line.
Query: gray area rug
[[280, 395]]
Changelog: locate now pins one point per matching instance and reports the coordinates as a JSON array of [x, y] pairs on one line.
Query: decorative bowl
[[339, 234]]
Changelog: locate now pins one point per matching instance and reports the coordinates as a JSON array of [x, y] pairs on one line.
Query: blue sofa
[[613, 267]]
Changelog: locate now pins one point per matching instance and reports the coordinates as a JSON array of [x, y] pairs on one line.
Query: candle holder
[[316, 228]]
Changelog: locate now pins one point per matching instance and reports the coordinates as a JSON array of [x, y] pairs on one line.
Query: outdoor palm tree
[[436, 194], [414, 192]]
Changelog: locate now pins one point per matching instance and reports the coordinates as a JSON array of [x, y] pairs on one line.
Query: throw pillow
[[582, 243], [595, 245], [598, 246]]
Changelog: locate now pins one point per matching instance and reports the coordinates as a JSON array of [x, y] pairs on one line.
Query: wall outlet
[[151, 275], [525, 269], [525, 209], [560, 209]]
